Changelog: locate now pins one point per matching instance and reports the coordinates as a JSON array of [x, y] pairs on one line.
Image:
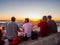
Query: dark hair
[[49, 16], [13, 19], [26, 19], [44, 17]]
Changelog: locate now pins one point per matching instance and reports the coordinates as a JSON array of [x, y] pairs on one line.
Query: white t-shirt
[[28, 29]]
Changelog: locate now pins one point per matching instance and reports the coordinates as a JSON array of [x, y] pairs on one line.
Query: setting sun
[[34, 17], [34, 10]]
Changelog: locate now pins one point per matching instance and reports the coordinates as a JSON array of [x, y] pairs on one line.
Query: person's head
[[26, 20], [49, 17], [44, 18], [13, 19]]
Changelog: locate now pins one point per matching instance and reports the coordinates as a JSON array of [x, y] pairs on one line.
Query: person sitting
[[52, 25], [43, 27], [12, 30], [27, 26]]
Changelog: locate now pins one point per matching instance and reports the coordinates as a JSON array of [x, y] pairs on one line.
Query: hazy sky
[[29, 8]]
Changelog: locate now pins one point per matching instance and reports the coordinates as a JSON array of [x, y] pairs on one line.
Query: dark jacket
[[52, 26]]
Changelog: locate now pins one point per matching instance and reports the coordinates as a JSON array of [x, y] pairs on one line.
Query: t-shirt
[[11, 30], [28, 29], [43, 28]]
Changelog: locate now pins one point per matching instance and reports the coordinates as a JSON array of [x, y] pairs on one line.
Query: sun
[[34, 17]]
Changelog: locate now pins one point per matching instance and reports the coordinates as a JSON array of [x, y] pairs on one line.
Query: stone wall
[[53, 39]]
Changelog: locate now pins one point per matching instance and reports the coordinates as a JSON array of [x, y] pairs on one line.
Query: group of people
[[47, 26]]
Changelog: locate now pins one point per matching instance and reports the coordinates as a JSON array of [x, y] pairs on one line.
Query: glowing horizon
[[33, 19], [33, 9]]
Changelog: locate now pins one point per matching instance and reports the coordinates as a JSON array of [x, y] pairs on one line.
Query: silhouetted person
[[12, 29], [52, 25], [43, 27], [27, 26]]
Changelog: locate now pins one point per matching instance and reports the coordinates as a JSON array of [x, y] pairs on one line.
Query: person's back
[[28, 29], [43, 27], [52, 25], [12, 29]]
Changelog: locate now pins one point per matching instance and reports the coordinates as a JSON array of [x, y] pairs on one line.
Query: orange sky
[[33, 9], [33, 19]]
